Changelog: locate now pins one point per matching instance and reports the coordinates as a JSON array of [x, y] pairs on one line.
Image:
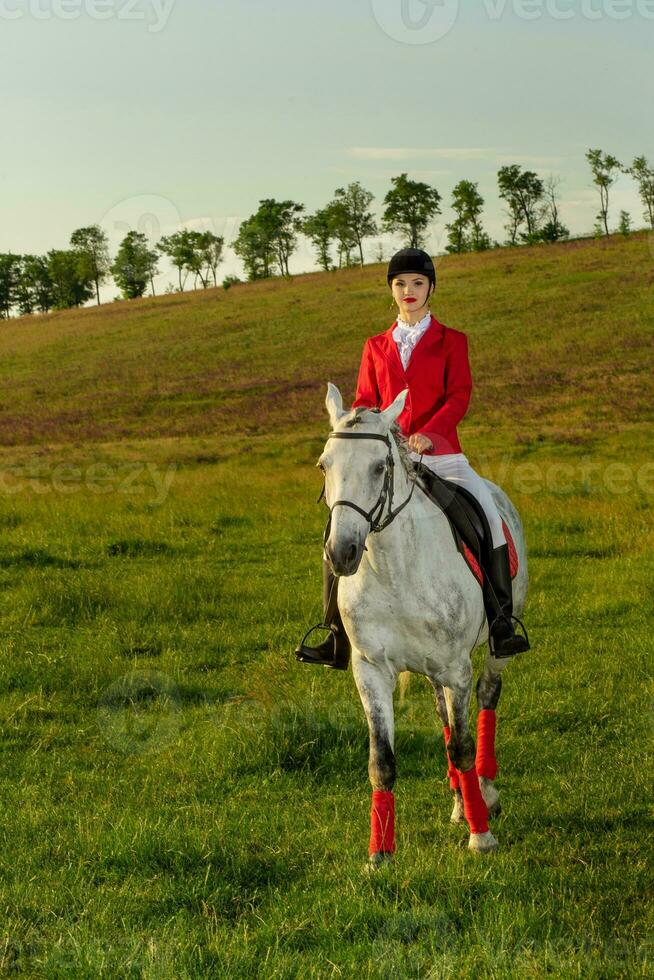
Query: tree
[[35, 291], [205, 256], [644, 175], [625, 223], [135, 265], [197, 252], [553, 230], [281, 222], [93, 246], [355, 201], [24, 297], [9, 275], [605, 170], [523, 192], [319, 230], [410, 206], [196, 260], [466, 233], [254, 248], [513, 210], [212, 251], [342, 231], [179, 249], [269, 236], [72, 282]]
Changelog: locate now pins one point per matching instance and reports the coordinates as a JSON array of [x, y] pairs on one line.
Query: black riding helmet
[[411, 260]]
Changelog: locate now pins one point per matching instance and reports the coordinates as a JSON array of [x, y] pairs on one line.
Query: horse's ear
[[391, 413], [334, 403]]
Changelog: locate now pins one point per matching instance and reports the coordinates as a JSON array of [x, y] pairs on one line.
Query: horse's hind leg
[[375, 686], [457, 815], [461, 749], [489, 687]]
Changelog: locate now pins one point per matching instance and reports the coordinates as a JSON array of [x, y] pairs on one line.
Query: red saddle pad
[[513, 557]]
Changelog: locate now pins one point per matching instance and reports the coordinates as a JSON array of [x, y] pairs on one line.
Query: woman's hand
[[419, 443]]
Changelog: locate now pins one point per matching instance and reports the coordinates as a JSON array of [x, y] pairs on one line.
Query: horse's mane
[[402, 444], [361, 415]]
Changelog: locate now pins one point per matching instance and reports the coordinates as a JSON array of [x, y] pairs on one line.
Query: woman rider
[[431, 360]]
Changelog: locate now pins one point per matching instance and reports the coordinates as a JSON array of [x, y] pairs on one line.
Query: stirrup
[[310, 655], [510, 653]]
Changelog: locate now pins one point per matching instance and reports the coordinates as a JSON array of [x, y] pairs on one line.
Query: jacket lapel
[[431, 338], [389, 349]]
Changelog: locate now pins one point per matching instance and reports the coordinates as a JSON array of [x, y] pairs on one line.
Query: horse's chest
[[430, 619]]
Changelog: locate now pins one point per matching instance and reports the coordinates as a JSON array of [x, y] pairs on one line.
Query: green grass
[[179, 797]]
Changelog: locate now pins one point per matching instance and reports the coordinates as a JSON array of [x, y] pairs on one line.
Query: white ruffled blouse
[[406, 336]]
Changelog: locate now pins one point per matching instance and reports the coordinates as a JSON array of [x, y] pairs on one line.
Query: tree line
[[66, 278], [266, 240]]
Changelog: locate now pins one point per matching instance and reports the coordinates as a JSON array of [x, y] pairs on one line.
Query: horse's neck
[[418, 526]]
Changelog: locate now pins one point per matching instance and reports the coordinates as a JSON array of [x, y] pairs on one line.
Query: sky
[[161, 114]]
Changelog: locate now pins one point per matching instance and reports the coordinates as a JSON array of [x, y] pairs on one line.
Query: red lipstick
[[409, 299]]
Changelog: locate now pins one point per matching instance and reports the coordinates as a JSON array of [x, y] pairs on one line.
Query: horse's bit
[[373, 516]]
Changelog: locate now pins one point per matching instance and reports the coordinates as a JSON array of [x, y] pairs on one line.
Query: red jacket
[[437, 376]]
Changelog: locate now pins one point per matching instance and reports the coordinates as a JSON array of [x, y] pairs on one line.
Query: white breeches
[[455, 467]]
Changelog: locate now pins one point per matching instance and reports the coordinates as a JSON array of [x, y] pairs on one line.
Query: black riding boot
[[503, 641], [335, 650]]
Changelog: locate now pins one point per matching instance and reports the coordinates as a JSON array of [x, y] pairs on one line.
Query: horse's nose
[[344, 559], [351, 554]]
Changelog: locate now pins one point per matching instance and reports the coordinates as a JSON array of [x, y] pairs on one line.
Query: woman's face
[[410, 292]]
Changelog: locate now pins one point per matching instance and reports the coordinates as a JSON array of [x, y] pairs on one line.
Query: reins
[[374, 515]]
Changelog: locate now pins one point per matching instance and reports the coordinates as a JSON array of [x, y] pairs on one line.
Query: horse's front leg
[[376, 684], [457, 815], [461, 750]]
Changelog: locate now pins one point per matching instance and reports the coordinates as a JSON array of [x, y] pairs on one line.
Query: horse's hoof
[[482, 843], [380, 859]]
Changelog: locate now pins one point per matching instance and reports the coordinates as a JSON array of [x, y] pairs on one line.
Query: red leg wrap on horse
[[451, 771], [473, 802], [382, 822], [486, 761]]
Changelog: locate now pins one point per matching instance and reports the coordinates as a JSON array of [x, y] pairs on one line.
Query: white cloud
[[376, 174], [492, 154], [431, 173], [411, 153], [535, 161]]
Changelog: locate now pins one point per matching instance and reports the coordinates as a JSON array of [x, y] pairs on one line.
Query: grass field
[[180, 798]]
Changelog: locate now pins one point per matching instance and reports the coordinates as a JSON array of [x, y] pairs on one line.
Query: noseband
[[373, 516]]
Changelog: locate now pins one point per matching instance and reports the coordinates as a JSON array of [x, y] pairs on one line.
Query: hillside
[[560, 341]]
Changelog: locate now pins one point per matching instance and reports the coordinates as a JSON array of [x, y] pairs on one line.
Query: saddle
[[467, 520]]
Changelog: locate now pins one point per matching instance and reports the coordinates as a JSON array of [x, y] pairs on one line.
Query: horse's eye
[[379, 468]]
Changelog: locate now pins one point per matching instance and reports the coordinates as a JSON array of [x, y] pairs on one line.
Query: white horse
[[409, 602]]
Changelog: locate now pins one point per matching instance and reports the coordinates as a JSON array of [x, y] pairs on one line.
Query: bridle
[[374, 515]]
